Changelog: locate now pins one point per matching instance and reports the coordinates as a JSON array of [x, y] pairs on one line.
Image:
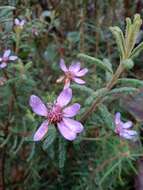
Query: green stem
[[99, 100]]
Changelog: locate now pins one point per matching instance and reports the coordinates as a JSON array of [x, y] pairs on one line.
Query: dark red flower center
[[55, 114]]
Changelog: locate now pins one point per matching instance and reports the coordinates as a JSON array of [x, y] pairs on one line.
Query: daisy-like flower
[[58, 115], [6, 58], [73, 73], [122, 129], [19, 23]]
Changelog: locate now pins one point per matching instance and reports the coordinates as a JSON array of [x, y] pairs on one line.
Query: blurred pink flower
[[73, 73], [122, 129], [6, 58], [57, 114], [19, 23]]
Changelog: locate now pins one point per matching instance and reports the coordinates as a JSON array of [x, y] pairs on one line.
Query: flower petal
[[127, 124], [129, 134], [82, 72], [42, 130], [22, 22], [79, 81], [65, 97], [66, 132], [74, 67], [7, 53], [38, 106], [72, 110], [13, 58], [16, 21], [117, 118], [73, 125], [67, 84], [3, 65], [63, 66]]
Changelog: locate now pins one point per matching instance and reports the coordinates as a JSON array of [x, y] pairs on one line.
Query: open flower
[[73, 73], [19, 23], [6, 58], [57, 114], [122, 129]]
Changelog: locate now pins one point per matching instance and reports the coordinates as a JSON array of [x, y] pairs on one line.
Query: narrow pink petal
[[74, 67], [127, 125], [37, 105], [7, 53], [67, 84], [117, 118], [63, 66], [128, 134], [79, 81], [13, 58], [0, 59], [42, 130], [16, 21], [66, 132], [82, 72], [22, 23], [3, 65], [65, 97], [72, 110], [73, 125]]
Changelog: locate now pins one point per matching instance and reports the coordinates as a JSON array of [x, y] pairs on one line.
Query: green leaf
[[106, 116], [7, 7], [109, 75], [119, 37], [96, 61], [133, 82], [50, 137], [62, 152], [125, 90], [82, 88], [136, 51]]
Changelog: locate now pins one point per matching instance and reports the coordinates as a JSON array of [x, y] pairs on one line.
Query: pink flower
[[19, 23], [57, 114], [6, 58], [73, 73], [122, 129]]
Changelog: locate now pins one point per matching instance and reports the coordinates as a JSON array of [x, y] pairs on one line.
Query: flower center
[[5, 59], [69, 75], [55, 114]]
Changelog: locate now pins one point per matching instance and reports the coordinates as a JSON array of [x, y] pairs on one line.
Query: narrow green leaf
[[136, 51], [133, 82], [106, 116], [62, 152], [119, 37], [125, 90], [50, 137], [93, 60]]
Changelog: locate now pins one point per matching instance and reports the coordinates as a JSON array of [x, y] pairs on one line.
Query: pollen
[[55, 114]]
